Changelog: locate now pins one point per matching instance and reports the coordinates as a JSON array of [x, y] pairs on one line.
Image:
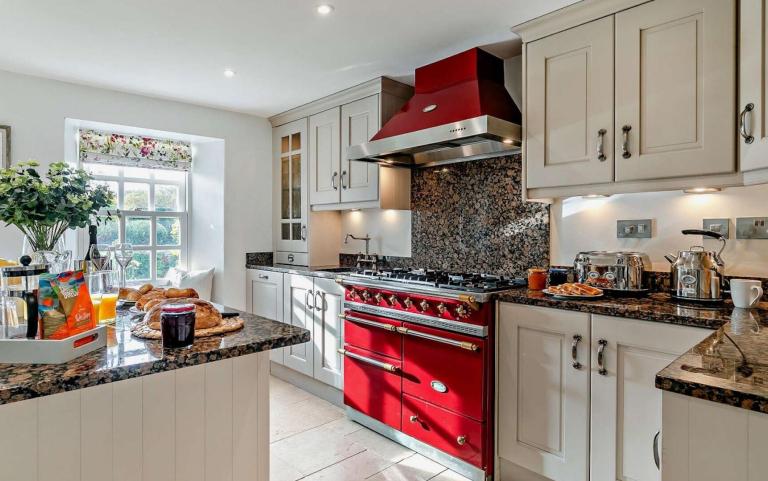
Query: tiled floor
[[312, 440]]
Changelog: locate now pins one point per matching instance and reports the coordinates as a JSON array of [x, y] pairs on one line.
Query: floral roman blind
[[134, 151]]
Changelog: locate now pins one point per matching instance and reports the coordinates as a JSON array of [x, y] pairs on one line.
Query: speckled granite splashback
[[471, 216]]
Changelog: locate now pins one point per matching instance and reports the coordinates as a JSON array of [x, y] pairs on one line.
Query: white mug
[[746, 293]]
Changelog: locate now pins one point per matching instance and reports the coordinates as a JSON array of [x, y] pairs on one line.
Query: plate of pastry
[[573, 291]]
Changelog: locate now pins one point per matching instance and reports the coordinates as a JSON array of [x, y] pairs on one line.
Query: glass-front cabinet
[[290, 145]]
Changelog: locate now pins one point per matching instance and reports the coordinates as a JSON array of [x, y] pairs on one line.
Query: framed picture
[[5, 146]]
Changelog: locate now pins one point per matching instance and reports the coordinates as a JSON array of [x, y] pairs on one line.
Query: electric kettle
[[697, 274]]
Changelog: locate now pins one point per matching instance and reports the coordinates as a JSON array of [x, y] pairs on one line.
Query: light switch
[[634, 229], [721, 226]]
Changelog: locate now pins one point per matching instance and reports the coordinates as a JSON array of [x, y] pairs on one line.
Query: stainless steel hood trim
[[479, 137]]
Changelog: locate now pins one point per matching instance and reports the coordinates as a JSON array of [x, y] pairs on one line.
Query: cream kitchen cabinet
[[325, 157], [569, 79], [315, 304], [543, 399], [625, 404], [581, 408], [675, 79], [264, 297], [290, 151], [753, 82], [360, 121], [649, 84]]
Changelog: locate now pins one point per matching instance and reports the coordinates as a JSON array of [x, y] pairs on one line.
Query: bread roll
[[153, 294], [145, 288], [206, 316], [175, 293]]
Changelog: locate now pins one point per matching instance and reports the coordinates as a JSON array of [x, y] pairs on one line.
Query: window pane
[[102, 169], [284, 145], [137, 172], [285, 202], [296, 187], [137, 231], [172, 175], [139, 268], [296, 141], [112, 186], [167, 198], [166, 260], [168, 231], [285, 232], [136, 196], [296, 231], [108, 231]]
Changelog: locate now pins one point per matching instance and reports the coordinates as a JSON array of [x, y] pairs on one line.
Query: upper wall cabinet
[[753, 78], [359, 122], [290, 151], [675, 80], [569, 139], [629, 96]]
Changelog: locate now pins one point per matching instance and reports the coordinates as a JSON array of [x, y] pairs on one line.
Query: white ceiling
[[284, 53]]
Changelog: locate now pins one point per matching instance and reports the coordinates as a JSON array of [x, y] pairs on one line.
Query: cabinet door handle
[[575, 351], [322, 305], [656, 457], [625, 145], [601, 357], [373, 362], [303, 233], [343, 179], [333, 181], [748, 138], [306, 300], [600, 147]]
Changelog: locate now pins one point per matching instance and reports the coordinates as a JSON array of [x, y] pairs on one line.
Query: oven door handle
[[373, 362], [379, 325], [469, 346]]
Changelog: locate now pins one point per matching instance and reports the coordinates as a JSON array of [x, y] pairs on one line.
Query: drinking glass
[[123, 256], [101, 256], [104, 293]]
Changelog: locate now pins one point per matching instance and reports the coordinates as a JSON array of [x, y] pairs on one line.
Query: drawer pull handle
[[263, 276], [748, 138], [469, 346], [373, 362], [380, 325], [414, 418], [601, 357], [625, 145], [461, 440], [575, 351]]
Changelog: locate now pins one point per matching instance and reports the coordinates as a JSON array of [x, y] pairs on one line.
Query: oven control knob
[[461, 311], [407, 302], [365, 295], [461, 440], [378, 297], [424, 305], [441, 308], [392, 299]]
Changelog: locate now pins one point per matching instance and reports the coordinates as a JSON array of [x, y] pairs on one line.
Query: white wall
[[36, 110], [390, 231], [590, 224]]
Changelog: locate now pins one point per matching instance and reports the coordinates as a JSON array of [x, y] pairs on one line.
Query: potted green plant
[[44, 207]]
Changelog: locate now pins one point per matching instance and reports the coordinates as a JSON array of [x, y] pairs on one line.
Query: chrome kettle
[[696, 274]]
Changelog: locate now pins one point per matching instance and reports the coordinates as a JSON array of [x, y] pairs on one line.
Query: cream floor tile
[[284, 393], [412, 468], [380, 445], [289, 419], [355, 468], [449, 475], [318, 448], [280, 470]]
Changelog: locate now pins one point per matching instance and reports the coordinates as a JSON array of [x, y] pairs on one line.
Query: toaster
[[616, 271]]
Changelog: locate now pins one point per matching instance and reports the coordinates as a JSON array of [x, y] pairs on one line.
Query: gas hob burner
[[473, 282]]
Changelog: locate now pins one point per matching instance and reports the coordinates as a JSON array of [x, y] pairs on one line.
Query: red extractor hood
[[460, 111]]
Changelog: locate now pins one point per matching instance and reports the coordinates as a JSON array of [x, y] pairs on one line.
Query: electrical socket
[[634, 229], [721, 226], [752, 228]]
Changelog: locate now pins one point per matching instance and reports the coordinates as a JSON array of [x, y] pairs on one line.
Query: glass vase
[[58, 259]]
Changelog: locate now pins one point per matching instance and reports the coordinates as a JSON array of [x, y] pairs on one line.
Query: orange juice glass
[[96, 302], [108, 308]]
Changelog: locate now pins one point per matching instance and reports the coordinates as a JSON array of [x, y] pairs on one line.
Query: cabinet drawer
[[263, 276], [449, 432], [292, 258], [373, 334], [370, 387], [445, 374]]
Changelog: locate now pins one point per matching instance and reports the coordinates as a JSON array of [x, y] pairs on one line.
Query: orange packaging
[[65, 305]]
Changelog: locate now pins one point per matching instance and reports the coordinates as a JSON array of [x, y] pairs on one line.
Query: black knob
[[25, 260]]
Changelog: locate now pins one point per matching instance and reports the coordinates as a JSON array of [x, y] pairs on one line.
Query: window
[[153, 217]]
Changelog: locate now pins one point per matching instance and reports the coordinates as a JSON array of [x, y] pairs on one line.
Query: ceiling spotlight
[[229, 73], [702, 190], [324, 9]]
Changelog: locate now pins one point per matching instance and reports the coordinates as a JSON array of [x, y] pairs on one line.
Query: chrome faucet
[[367, 258]]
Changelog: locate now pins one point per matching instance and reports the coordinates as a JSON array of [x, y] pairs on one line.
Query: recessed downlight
[[325, 9], [595, 196], [229, 73], [702, 190]]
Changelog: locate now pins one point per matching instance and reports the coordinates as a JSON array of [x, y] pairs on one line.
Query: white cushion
[[201, 281]]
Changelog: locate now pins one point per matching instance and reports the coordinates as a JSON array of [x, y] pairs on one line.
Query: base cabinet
[[315, 304], [264, 297], [581, 408]]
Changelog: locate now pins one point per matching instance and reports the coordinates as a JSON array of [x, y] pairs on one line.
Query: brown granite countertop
[[128, 357]]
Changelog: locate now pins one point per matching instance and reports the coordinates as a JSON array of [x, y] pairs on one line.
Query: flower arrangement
[[43, 208]]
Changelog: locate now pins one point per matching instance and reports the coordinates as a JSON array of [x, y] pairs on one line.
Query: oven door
[[372, 384], [445, 369], [373, 333]]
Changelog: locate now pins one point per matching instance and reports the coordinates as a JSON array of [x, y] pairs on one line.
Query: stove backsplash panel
[[471, 216]]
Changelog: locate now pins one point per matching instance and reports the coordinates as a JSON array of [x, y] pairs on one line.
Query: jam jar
[[177, 324]]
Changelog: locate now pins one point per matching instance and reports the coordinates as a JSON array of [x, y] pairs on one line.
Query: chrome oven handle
[[575, 351], [625, 145], [748, 138], [600, 140], [469, 346], [601, 357], [373, 362], [380, 325]]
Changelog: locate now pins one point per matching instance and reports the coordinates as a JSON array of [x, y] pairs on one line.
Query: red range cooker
[[419, 362]]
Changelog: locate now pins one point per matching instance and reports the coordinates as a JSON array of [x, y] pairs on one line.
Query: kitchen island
[[134, 411]]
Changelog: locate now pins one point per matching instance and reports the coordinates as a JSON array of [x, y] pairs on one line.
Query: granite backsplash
[[470, 216]]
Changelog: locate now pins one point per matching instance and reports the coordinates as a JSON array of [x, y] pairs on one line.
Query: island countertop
[[127, 357]]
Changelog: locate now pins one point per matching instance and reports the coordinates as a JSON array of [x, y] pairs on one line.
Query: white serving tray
[[50, 351]]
